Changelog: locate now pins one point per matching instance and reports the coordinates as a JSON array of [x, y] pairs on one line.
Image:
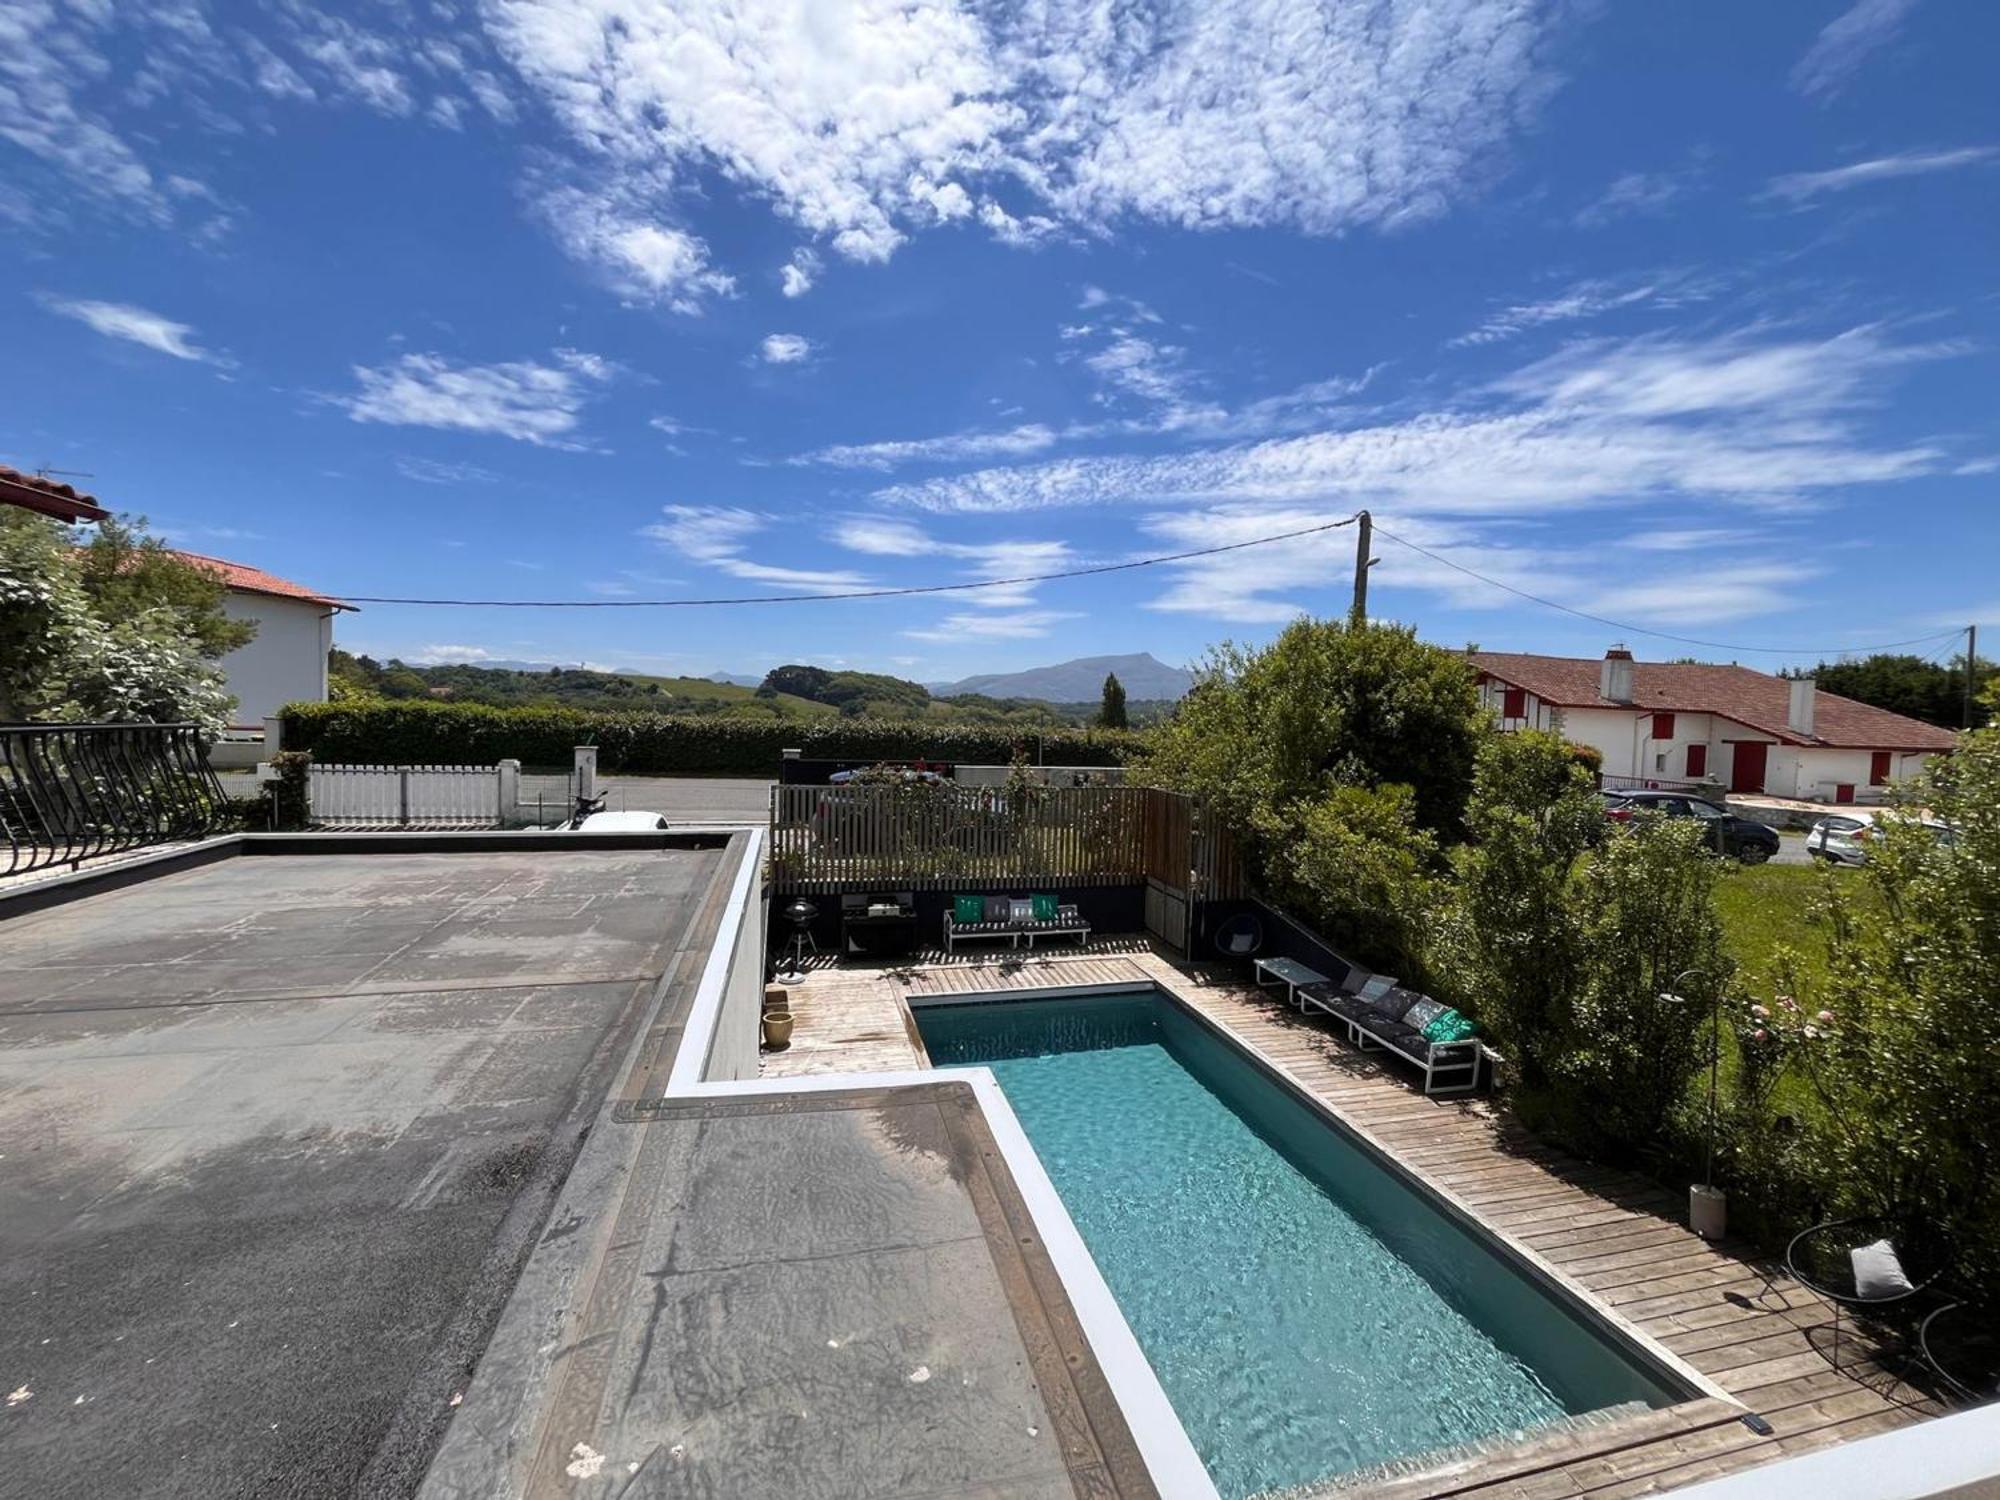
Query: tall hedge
[[419, 733]]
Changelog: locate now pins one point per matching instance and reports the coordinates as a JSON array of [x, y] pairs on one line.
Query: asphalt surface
[[276, 1136], [685, 799]]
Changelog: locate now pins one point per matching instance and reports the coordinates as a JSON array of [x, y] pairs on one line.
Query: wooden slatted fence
[[940, 836]]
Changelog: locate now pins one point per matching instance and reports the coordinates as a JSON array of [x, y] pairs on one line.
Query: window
[[1515, 704], [1878, 768], [1663, 726], [1706, 810], [1660, 761], [1697, 761]]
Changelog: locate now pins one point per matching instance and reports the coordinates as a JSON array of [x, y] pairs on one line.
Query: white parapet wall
[[1952, 1458]]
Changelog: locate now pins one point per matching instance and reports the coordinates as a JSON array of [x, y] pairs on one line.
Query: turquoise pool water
[[1306, 1312]]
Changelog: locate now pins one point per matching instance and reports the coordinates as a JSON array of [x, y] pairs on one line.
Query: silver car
[[1844, 838]]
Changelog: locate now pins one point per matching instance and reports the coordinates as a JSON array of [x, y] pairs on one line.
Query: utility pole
[[1363, 540], [1971, 662]]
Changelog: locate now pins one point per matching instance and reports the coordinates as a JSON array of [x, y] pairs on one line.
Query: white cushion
[[1022, 911], [1877, 1272]]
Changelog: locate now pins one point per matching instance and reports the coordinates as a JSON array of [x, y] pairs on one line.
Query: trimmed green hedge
[[418, 733]]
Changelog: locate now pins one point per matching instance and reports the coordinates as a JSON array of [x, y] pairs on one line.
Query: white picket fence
[[407, 796]]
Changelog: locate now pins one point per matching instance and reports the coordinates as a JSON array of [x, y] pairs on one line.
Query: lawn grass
[[1764, 907]]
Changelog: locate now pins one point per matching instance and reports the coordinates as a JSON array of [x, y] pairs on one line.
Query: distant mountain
[[1080, 681], [734, 679]]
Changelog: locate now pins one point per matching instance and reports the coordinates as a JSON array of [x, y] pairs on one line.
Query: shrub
[[421, 733]]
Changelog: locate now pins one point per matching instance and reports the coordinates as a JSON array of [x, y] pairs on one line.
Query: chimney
[[1805, 702], [1614, 679]]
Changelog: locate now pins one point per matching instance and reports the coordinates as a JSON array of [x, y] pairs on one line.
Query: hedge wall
[[419, 733]]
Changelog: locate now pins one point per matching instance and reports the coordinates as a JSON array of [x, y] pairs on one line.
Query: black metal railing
[[71, 792]]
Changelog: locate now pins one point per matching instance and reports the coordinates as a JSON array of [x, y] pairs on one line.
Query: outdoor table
[[1292, 974]]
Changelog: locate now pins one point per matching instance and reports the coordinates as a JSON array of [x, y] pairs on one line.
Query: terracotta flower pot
[[777, 1029]]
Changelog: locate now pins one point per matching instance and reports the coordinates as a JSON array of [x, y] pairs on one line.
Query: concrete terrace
[[1734, 1317]]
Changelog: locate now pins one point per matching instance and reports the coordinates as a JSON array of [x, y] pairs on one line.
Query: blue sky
[[1685, 316]]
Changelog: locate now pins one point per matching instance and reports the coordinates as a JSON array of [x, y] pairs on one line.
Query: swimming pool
[[1307, 1312]]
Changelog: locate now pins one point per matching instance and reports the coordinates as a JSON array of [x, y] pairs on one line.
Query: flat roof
[[324, 1172], [275, 1136]]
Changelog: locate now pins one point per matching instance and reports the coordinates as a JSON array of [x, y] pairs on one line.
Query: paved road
[[691, 799], [1792, 849]]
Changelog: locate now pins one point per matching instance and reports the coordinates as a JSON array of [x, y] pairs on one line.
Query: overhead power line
[[1631, 629], [1100, 569], [829, 598]]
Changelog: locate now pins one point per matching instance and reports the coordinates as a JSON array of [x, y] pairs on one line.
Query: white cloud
[[1743, 418], [1026, 624], [882, 117], [1689, 539], [1582, 299], [433, 471], [716, 535], [359, 64], [450, 655], [135, 325], [1803, 187], [1838, 52], [784, 349], [889, 536], [1634, 193], [798, 276], [953, 447], [521, 399], [641, 258]]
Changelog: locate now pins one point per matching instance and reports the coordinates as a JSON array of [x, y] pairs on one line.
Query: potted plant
[[777, 1017]]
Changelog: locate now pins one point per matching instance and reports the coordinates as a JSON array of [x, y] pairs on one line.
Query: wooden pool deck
[[1732, 1315]]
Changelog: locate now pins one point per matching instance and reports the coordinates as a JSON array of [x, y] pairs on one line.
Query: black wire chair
[[1240, 936], [1960, 1345], [1822, 1260]]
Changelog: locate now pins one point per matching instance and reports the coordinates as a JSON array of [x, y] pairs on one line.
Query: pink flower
[[1788, 1002], [1760, 1035], [1761, 1012], [1825, 1018]]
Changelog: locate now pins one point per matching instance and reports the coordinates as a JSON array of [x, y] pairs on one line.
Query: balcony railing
[[72, 792]]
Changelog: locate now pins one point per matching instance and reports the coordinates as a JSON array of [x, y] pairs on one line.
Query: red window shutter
[[1697, 761], [1878, 768], [1515, 704], [1663, 726]]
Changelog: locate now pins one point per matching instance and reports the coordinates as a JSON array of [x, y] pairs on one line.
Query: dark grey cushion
[[1394, 1005], [1423, 1012]]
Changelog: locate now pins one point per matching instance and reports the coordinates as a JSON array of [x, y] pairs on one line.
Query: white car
[[1843, 838], [624, 822]]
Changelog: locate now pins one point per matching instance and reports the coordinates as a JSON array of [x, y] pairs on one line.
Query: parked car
[[1731, 836], [1843, 838], [624, 822]]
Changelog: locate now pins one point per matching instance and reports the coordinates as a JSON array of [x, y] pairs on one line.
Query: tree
[[1340, 758], [1908, 685], [1325, 705], [118, 630], [1111, 715]]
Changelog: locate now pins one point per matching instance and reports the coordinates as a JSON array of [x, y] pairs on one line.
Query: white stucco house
[[285, 662], [1725, 728]]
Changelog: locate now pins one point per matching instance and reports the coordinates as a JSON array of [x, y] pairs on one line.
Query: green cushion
[[1451, 1027], [1045, 908], [968, 908]]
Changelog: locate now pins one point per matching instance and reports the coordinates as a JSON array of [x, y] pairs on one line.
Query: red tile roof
[[48, 497], [1749, 697], [247, 580]]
